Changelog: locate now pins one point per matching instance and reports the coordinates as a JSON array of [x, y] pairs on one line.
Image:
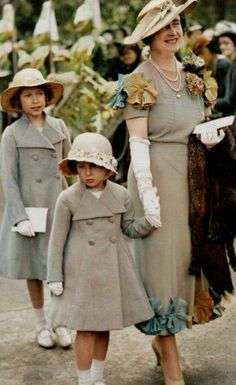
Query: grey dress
[[164, 257], [30, 178]]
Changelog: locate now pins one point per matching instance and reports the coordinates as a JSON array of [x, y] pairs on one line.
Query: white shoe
[[44, 338], [62, 337]]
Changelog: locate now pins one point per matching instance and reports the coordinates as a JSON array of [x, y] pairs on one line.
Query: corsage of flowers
[[199, 81], [134, 89]]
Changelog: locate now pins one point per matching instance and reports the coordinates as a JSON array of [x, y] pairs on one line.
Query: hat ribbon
[[150, 19]]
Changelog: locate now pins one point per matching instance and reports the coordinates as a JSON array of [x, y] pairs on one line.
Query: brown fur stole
[[212, 184]]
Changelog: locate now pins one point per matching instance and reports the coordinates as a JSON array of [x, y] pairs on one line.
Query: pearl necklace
[[168, 80]]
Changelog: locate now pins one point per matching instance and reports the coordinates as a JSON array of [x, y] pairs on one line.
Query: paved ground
[[208, 352]]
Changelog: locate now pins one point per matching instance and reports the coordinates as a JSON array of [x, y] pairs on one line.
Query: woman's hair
[[134, 47], [15, 99], [148, 40], [230, 35], [203, 42], [72, 166], [213, 46]]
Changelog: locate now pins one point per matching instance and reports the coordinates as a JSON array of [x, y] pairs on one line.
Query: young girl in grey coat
[[31, 148], [91, 271]]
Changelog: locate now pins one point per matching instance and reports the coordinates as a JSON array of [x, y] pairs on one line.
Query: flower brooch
[[134, 89], [199, 81]]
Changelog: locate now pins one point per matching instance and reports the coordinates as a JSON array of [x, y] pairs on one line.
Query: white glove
[[56, 287], [140, 158], [211, 137], [25, 228], [152, 208]]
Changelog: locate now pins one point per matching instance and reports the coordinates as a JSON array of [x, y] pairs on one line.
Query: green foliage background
[[114, 13]]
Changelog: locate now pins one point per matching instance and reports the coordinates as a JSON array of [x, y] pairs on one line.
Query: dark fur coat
[[212, 181]]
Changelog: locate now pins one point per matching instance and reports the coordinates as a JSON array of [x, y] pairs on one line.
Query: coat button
[[35, 157], [89, 222], [54, 155], [58, 176], [111, 219], [39, 180], [113, 239], [91, 242]]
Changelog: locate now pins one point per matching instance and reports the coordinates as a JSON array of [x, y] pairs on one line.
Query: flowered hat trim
[[99, 158]]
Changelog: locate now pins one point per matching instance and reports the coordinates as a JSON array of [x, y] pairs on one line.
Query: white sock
[[40, 318], [84, 377], [97, 370]]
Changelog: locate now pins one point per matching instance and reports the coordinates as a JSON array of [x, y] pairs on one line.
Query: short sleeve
[[129, 112]]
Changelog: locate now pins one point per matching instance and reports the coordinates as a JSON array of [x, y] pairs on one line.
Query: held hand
[[56, 288], [25, 228], [151, 206], [154, 220]]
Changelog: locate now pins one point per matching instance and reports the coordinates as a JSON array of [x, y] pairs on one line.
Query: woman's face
[[169, 38], [129, 56], [227, 46]]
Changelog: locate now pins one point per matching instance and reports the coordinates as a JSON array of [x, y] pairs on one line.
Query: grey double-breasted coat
[[89, 253], [30, 178]]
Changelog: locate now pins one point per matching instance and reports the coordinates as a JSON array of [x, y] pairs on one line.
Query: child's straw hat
[[29, 77]]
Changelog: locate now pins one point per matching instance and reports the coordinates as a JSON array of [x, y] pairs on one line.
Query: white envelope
[[37, 217]]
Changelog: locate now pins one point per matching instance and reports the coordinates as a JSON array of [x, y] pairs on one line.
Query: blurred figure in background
[[227, 44], [194, 32], [226, 105], [126, 62], [218, 64]]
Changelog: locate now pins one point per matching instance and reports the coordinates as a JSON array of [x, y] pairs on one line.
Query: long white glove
[[140, 158], [25, 228], [56, 288]]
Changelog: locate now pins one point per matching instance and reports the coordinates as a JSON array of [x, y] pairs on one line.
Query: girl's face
[[33, 101], [92, 176], [227, 46], [169, 38]]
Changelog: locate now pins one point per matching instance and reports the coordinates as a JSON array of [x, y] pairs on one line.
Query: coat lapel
[[109, 200], [91, 207], [31, 137], [51, 131]]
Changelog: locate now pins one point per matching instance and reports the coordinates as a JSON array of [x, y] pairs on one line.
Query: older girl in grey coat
[[30, 150], [90, 268]]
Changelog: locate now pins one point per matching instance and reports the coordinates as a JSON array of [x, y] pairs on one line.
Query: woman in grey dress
[[161, 114]]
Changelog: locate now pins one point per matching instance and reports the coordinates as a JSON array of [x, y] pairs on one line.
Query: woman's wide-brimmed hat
[[156, 15], [92, 148], [29, 77]]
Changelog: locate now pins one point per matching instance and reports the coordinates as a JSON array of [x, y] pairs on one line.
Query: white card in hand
[[212, 132], [37, 217], [214, 124]]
